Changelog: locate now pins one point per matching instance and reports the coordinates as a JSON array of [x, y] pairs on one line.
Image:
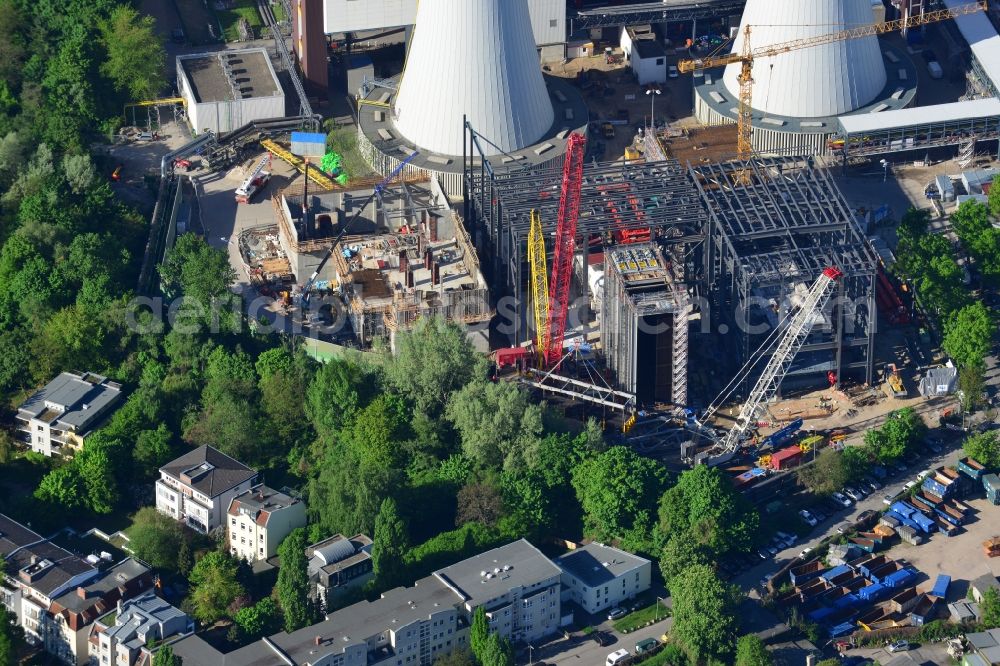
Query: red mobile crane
[[565, 242]]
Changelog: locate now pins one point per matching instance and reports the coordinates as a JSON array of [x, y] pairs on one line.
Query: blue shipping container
[[872, 592], [941, 586], [836, 571], [842, 629], [903, 509], [900, 578]]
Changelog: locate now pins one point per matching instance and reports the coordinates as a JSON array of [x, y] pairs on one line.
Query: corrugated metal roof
[[477, 59], [939, 113], [824, 80], [982, 38]]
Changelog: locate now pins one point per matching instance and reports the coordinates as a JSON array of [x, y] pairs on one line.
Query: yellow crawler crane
[[539, 280]]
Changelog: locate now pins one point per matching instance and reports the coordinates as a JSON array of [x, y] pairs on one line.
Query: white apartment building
[[259, 519], [198, 487], [518, 586], [599, 577], [122, 637], [56, 419]]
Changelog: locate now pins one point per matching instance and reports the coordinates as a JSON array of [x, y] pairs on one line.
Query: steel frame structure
[[784, 226], [922, 136], [498, 203]]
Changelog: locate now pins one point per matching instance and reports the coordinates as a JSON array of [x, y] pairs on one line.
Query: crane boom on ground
[[565, 242], [791, 341], [539, 281], [747, 55]]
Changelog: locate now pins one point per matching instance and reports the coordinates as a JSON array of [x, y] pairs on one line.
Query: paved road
[[749, 580], [586, 652]]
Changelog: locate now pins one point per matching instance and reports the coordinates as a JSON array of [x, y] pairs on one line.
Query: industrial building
[[492, 81], [799, 95], [406, 255], [645, 54], [225, 90]]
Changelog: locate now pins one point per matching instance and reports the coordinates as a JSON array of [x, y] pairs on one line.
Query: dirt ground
[[960, 556]]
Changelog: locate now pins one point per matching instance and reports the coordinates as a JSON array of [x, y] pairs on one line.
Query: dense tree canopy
[[901, 431], [750, 651], [618, 491], [968, 335], [979, 237], [213, 586], [927, 260], [704, 619], [703, 506], [389, 546], [293, 581], [984, 447]]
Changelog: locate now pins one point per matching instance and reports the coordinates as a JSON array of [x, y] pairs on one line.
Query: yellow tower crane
[[539, 279], [747, 55]]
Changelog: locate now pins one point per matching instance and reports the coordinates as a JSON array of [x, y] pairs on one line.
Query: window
[[41, 428], [553, 23], [659, 61], [233, 521], [261, 551]]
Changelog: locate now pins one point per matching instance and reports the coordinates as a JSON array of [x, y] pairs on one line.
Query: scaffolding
[[772, 238]]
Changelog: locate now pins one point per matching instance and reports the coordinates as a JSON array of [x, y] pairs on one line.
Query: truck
[[255, 182]]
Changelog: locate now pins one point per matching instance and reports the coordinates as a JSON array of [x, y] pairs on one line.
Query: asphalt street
[[586, 651]]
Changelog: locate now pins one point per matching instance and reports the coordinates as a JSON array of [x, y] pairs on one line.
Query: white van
[[617, 657]]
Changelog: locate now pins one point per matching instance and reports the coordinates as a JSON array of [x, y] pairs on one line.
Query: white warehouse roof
[[982, 38], [825, 80], [924, 115], [478, 58]]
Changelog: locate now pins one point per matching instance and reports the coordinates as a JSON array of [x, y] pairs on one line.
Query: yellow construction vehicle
[[747, 55]]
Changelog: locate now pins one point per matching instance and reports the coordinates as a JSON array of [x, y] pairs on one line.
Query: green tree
[[432, 361], [497, 652], [334, 396], [990, 608], [750, 651], [704, 506], [214, 586], [498, 423], [681, 553], [479, 502], [457, 657], [704, 619], [479, 633], [98, 476], [165, 657], [185, 558], [135, 56], [618, 491], [203, 275], [293, 581], [63, 486], [993, 199], [258, 620], [979, 237], [984, 447], [155, 538], [826, 475], [968, 335], [152, 449], [389, 546], [902, 430], [972, 384]]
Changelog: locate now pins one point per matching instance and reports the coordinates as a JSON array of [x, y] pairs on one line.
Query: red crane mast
[[565, 242]]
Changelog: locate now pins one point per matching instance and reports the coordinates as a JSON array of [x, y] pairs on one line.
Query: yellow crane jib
[[539, 279], [314, 173]]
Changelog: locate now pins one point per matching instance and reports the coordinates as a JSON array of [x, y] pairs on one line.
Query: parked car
[[866, 515], [854, 494], [817, 514], [809, 518], [908, 485], [617, 613], [935, 447], [789, 539], [646, 645], [872, 483], [888, 499], [898, 646], [805, 553], [762, 553], [923, 475], [844, 528], [841, 500], [771, 550]]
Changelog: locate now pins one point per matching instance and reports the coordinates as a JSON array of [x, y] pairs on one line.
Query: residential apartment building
[[198, 488], [259, 519], [412, 626], [57, 418], [337, 565], [517, 585], [123, 637], [599, 577], [56, 596]]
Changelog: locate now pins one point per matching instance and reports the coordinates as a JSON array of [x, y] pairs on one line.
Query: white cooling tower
[[478, 58], [826, 80]]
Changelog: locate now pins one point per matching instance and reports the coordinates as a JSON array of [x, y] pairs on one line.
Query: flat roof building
[[228, 89], [124, 636], [58, 417], [338, 564], [598, 577]]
